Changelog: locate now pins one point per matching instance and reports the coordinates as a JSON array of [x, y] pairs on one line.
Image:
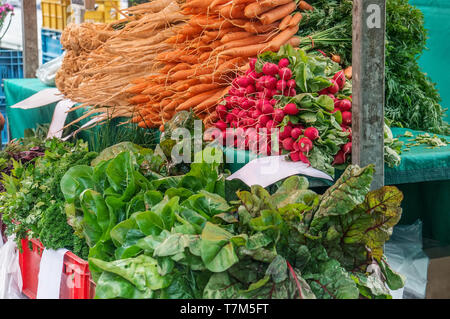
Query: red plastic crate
[[76, 281]]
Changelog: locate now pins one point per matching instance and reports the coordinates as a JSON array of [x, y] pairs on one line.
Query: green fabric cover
[[434, 61]]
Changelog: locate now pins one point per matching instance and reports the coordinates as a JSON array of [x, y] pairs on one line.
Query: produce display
[[270, 77], [158, 236]]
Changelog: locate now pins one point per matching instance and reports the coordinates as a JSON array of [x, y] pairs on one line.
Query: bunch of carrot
[[102, 59], [209, 51]]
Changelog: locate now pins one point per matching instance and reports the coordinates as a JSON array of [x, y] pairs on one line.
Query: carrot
[[295, 19], [179, 67], [246, 41], [236, 2], [193, 59], [184, 74], [138, 80], [305, 6], [196, 99], [199, 88], [254, 9], [277, 13], [138, 88], [258, 27], [233, 11], [196, 4], [235, 36], [285, 22], [211, 118], [230, 65], [247, 51], [216, 3], [190, 29], [273, 3], [348, 72], [282, 38], [209, 102], [294, 41]]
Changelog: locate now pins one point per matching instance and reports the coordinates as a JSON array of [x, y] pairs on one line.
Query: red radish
[[281, 85], [250, 89], [305, 144], [232, 91], [295, 156], [347, 148], [291, 83], [285, 74], [267, 108], [252, 75], [221, 125], [334, 88], [312, 133], [270, 82], [250, 121], [252, 63], [345, 105], [259, 85], [241, 92], [339, 158], [288, 144], [323, 92], [346, 118], [263, 119], [270, 124], [296, 146], [268, 93], [230, 118], [349, 129], [273, 101], [290, 109], [256, 113], [235, 111], [278, 115], [304, 158], [337, 104], [284, 62], [245, 105], [296, 132], [222, 111], [339, 77], [242, 114], [285, 132], [242, 81], [234, 124], [260, 103], [270, 68], [292, 92]]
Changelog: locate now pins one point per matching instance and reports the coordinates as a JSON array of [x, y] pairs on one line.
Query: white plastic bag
[[47, 71], [404, 253], [10, 275]]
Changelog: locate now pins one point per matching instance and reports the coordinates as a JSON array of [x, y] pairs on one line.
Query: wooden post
[[30, 38], [369, 29]]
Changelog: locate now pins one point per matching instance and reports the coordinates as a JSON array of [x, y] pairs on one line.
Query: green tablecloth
[[17, 90], [433, 61]]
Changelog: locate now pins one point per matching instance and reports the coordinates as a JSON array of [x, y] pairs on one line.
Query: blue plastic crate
[[11, 66], [51, 44]]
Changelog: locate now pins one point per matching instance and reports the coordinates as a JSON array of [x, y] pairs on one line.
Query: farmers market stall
[[155, 216]]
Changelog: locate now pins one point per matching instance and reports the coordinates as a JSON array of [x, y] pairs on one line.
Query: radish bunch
[[257, 100], [251, 101]]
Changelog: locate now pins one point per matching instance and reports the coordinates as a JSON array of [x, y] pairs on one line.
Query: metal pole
[[369, 29]]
